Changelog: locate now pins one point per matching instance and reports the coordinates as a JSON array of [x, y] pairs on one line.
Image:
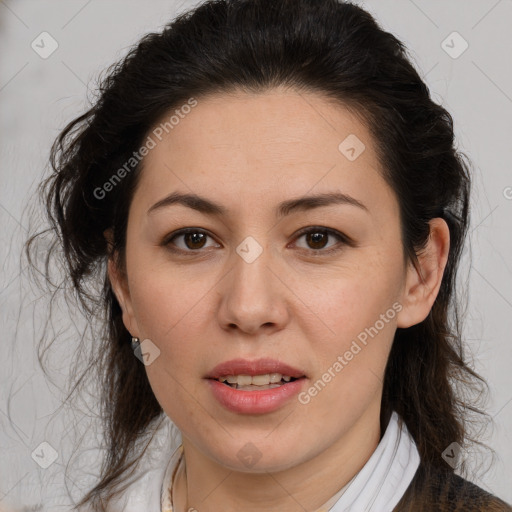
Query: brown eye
[[187, 240], [194, 240], [317, 240]]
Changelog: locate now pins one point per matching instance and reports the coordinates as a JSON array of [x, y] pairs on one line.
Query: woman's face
[[247, 283]]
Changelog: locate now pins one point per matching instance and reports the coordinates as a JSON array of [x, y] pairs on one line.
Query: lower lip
[[255, 402]]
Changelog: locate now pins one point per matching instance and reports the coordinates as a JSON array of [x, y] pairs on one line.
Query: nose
[[253, 296]]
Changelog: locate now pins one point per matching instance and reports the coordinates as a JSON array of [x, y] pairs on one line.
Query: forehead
[[283, 123], [263, 145]]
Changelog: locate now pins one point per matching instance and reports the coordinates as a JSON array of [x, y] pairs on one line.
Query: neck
[[208, 486]]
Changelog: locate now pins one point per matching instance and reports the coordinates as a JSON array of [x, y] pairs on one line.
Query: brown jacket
[[440, 490]]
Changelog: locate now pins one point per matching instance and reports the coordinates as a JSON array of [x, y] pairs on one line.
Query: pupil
[[196, 237], [317, 238]]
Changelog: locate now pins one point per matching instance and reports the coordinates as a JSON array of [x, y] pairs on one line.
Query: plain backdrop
[[462, 49]]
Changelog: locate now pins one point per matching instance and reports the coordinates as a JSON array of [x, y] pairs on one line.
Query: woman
[[277, 210]]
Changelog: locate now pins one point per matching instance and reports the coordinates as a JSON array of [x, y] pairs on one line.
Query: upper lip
[[256, 367]]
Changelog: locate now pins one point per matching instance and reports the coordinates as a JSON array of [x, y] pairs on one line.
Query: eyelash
[[343, 239]]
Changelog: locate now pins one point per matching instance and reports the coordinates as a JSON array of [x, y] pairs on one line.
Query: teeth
[[256, 380], [244, 380], [274, 378]]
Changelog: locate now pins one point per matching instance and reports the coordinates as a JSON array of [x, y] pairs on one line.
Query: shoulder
[[435, 488]]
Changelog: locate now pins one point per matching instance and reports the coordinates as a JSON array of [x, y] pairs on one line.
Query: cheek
[[174, 320], [165, 297], [172, 309], [170, 317], [352, 331], [343, 304]]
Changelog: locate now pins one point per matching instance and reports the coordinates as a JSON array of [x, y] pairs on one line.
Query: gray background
[[39, 96]]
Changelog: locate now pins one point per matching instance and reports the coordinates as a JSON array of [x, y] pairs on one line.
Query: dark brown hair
[[335, 49]]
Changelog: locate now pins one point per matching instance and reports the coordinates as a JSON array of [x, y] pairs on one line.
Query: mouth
[[256, 382], [259, 372], [255, 387]]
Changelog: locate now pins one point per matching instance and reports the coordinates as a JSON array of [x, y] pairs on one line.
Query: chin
[[246, 456]]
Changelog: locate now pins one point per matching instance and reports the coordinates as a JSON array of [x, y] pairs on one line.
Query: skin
[[295, 302]]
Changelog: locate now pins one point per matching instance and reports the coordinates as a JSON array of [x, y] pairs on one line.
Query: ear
[[422, 284], [119, 282]]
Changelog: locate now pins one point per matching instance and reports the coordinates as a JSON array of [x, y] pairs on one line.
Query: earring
[[135, 343]]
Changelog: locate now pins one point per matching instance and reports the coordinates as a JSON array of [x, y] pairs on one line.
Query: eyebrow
[[208, 207]]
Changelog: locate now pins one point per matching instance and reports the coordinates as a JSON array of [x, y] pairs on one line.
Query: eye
[[317, 237], [193, 239]]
